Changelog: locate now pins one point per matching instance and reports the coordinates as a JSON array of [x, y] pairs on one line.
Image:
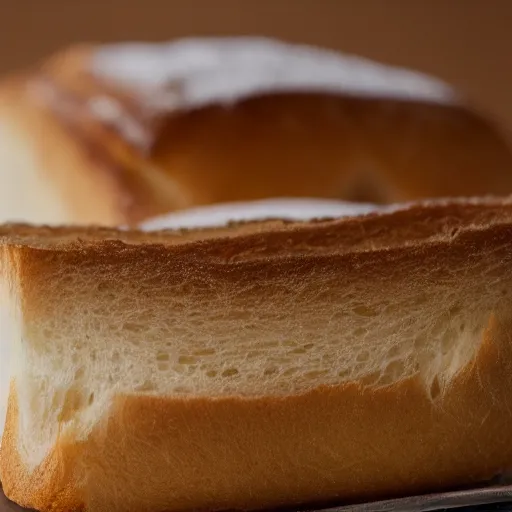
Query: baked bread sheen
[[259, 364], [117, 134]]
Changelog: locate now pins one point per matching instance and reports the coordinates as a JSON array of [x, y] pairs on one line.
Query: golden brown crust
[[33, 490], [403, 224], [341, 443], [146, 160]]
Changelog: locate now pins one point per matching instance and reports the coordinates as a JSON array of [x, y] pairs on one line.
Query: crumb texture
[[119, 346], [151, 326]]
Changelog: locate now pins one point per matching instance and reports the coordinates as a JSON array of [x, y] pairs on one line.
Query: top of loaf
[[197, 72], [362, 225]]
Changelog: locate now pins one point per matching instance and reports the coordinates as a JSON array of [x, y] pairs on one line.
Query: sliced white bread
[[258, 365]]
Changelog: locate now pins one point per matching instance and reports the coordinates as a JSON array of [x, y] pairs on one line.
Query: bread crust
[[138, 159], [417, 222], [331, 444]]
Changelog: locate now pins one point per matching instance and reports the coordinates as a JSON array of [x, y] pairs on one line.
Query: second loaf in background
[[117, 134]]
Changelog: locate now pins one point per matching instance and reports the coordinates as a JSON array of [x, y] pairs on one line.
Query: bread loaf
[[118, 134], [257, 365]]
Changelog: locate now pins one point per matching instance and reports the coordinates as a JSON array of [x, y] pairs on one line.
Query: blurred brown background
[[466, 42]]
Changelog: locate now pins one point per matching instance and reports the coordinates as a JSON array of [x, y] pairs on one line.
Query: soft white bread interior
[[114, 134], [260, 364]]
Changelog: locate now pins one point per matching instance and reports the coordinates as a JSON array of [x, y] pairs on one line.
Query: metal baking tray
[[488, 499]]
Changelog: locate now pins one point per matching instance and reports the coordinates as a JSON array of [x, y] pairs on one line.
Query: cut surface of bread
[[258, 365], [118, 134]]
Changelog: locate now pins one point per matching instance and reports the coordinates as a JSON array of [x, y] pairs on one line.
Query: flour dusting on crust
[[196, 72], [219, 215]]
